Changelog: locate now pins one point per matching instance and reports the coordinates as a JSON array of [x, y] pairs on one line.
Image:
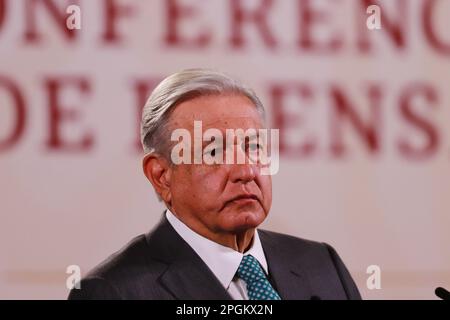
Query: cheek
[[266, 189], [202, 184], [212, 181]]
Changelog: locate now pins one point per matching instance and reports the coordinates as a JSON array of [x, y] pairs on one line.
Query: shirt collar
[[223, 261]]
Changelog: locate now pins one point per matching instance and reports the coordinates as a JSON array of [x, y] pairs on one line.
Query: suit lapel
[[188, 280], [288, 278], [187, 276]]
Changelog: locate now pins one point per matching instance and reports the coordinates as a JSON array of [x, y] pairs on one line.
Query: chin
[[244, 220]]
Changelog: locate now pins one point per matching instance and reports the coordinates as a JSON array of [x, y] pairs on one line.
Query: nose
[[242, 173]]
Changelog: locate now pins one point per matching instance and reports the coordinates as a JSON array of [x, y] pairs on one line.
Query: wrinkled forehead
[[221, 123], [222, 111]]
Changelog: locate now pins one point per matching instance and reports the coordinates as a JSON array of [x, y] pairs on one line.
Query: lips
[[242, 197], [245, 196]]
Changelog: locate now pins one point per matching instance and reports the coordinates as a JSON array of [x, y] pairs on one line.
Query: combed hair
[[179, 87]]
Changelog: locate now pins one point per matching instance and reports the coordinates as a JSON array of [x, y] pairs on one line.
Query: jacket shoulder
[[320, 260], [122, 274]]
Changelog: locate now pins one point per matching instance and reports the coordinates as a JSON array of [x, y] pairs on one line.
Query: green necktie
[[258, 287]]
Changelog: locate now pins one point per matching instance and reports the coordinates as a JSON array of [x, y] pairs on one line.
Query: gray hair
[[180, 87]]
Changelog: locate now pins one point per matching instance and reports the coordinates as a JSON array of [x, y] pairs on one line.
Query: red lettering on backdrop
[[427, 128], [174, 13], [57, 12], [396, 28], [2, 11], [430, 32], [142, 89], [308, 18], [343, 112], [59, 114], [113, 12], [20, 112], [257, 16], [284, 121]]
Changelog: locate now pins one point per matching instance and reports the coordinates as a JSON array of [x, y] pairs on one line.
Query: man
[[207, 245]]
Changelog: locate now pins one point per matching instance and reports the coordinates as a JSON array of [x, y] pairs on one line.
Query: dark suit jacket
[[161, 265]]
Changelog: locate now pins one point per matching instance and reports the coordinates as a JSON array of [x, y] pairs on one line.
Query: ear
[[158, 171]]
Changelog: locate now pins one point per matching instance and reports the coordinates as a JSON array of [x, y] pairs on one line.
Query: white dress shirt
[[221, 260]]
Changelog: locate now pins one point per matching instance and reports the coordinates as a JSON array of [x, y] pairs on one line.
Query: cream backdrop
[[376, 204]]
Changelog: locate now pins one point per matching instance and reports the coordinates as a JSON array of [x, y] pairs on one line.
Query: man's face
[[204, 195]]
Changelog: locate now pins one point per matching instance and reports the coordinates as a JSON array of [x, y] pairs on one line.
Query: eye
[[212, 152], [254, 146]]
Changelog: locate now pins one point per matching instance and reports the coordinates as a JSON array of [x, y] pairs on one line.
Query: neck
[[239, 241]]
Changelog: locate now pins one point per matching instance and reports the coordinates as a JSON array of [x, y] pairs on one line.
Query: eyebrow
[[212, 140]]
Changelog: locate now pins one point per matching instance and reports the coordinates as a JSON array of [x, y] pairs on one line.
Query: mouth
[[243, 198]]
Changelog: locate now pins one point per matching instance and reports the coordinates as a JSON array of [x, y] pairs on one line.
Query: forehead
[[218, 111]]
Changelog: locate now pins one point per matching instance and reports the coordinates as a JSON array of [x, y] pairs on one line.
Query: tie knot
[[250, 270]]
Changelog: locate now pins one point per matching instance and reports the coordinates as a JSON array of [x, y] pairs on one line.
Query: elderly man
[[207, 245]]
